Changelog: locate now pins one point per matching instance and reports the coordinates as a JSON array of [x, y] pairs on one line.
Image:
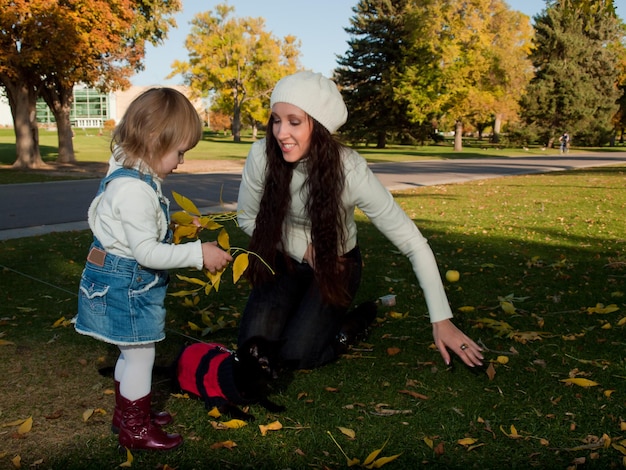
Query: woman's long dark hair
[[325, 185]]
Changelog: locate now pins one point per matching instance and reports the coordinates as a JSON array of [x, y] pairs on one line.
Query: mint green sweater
[[362, 190]]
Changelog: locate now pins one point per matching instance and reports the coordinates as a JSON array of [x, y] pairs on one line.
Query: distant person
[[564, 140], [299, 189], [123, 286]]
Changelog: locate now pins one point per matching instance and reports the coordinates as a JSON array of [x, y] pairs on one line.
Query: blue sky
[[319, 25]]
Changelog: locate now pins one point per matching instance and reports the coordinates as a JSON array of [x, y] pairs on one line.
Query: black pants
[[291, 308]]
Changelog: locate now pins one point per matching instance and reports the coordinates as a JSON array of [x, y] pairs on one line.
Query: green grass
[[89, 146], [555, 243]]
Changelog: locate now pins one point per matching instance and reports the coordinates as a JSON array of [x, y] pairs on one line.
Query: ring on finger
[[464, 347]]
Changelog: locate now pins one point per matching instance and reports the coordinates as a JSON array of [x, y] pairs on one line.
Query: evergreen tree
[[368, 70], [576, 71]]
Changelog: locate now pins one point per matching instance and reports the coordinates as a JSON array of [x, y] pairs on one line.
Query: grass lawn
[[89, 147], [542, 260]]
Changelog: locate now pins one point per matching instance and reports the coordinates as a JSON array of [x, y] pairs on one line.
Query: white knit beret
[[314, 94]]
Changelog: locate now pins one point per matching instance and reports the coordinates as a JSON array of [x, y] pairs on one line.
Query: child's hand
[[214, 258]]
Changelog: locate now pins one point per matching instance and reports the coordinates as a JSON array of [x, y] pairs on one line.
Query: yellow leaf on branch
[[186, 204], [239, 266], [223, 240]]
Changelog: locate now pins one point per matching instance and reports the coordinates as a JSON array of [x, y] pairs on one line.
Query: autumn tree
[[236, 62], [465, 61], [50, 45], [576, 57]]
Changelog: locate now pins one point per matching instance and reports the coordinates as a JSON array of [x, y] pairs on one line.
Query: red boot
[[159, 418], [137, 430]]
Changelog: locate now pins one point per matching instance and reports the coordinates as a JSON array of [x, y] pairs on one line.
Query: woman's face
[[292, 129]]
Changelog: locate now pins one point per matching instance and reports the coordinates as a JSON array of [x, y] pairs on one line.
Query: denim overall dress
[[120, 301]]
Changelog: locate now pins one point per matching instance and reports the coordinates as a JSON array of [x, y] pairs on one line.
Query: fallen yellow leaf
[[129, 460], [466, 441], [275, 426], [224, 445], [429, 442], [581, 382], [4, 342], [17, 461], [502, 360], [600, 308], [513, 434], [87, 414], [61, 322], [193, 326], [214, 413], [17, 422], [507, 307], [348, 432], [466, 309], [382, 461], [26, 426], [234, 424]]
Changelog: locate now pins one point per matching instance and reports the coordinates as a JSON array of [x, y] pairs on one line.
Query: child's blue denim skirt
[[121, 302]]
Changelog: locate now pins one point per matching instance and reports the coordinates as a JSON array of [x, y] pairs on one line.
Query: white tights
[[133, 370]]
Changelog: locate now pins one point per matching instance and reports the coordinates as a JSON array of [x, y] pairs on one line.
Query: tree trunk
[[458, 136], [255, 130], [497, 127], [23, 102], [381, 140], [236, 125], [59, 100]]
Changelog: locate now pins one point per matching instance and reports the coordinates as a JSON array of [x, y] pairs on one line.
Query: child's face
[[170, 161]]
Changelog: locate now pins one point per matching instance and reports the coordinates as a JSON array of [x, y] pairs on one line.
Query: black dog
[[227, 379]]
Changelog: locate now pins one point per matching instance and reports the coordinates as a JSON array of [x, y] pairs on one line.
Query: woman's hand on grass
[[448, 337]]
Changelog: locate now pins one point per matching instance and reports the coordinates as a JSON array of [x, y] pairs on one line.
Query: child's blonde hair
[[158, 121]]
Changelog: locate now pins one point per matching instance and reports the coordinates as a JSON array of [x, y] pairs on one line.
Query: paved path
[[38, 208]]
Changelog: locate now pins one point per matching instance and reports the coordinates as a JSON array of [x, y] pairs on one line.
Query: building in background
[[91, 109]]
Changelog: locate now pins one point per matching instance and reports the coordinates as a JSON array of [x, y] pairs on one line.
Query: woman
[[298, 193]]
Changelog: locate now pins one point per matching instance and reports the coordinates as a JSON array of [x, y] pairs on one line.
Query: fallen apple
[[452, 275]]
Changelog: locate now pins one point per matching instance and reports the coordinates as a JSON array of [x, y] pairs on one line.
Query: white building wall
[[118, 103], [6, 119]]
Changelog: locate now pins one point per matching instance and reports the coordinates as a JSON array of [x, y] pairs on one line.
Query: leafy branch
[[188, 224]]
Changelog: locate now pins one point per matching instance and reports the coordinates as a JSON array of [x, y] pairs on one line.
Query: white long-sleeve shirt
[[362, 190], [128, 220]]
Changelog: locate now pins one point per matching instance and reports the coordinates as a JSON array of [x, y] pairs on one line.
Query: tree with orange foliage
[[50, 45]]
